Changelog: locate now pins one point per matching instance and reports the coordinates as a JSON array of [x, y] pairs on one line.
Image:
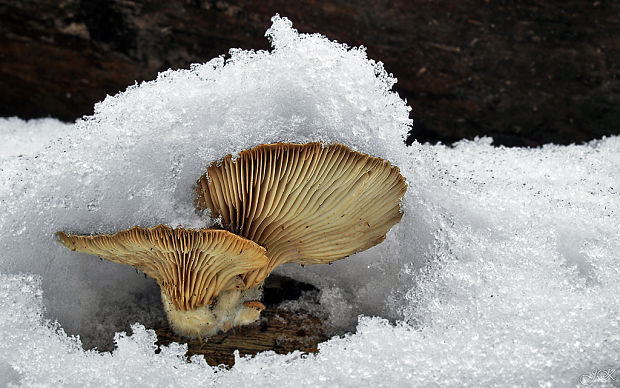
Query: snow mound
[[136, 161], [503, 271]]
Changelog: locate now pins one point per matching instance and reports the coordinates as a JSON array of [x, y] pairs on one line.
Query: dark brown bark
[[279, 331], [526, 72]]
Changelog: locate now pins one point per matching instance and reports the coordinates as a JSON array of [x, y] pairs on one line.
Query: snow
[[21, 138], [503, 271]]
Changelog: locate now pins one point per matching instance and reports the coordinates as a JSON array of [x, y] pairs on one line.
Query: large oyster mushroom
[[306, 203], [199, 272]]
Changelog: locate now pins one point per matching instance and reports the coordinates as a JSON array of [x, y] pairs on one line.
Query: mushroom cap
[[306, 203], [191, 266]]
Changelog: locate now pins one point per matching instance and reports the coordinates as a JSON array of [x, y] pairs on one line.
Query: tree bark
[[279, 331]]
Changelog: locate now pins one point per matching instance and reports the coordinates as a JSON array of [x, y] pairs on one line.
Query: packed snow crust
[[503, 271]]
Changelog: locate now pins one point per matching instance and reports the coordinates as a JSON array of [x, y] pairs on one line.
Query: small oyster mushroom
[[306, 203], [199, 272]]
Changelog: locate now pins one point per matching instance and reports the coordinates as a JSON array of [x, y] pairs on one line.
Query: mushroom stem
[[232, 308]]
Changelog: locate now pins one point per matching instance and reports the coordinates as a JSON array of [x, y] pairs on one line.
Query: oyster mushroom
[[306, 203], [199, 272]]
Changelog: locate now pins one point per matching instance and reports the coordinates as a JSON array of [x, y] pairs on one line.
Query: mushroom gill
[[306, 203], [200, 273]]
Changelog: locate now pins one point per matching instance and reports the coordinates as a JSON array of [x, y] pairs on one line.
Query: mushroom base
[[232, 308]]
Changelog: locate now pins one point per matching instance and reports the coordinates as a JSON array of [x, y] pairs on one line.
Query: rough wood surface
[[526, 72], [280, 331], [277, 330]]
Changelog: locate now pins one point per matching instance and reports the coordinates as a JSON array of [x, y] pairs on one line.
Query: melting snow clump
[[503, 271]]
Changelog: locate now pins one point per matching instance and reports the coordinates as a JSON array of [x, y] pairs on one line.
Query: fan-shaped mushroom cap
[[192, 267], [306, 203]]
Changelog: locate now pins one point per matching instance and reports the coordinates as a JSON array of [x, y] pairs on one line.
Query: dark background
[[524, 72]]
